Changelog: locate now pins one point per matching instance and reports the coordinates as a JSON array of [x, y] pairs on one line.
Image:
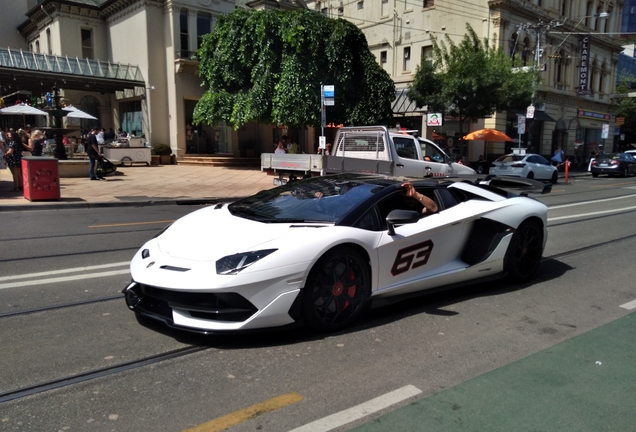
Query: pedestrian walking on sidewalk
[[14, 158], [94, 156]]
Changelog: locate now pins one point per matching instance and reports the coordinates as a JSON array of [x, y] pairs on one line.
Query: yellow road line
[[227, 421], [130, 224]]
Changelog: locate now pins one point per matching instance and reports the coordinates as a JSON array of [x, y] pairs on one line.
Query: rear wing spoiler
[[529, 185]]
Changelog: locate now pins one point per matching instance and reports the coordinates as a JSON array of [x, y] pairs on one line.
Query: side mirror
[[401, 217]]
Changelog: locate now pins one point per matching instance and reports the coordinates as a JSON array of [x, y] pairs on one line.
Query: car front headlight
[[232, 264]]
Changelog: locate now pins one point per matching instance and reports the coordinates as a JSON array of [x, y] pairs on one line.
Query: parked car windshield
[[323, 199]]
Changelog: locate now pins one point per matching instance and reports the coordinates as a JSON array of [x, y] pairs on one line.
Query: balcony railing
[[27, 60]]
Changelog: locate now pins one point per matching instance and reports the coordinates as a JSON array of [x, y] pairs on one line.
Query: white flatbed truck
[[367, 149]]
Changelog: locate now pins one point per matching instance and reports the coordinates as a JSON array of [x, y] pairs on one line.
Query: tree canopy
[[471, 80], [626, 107], [268, 66]]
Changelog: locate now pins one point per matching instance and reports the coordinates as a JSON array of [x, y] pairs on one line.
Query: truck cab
[[410, 155]]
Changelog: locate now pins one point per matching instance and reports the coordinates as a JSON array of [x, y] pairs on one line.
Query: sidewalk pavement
[[144, 185], [149, 185]]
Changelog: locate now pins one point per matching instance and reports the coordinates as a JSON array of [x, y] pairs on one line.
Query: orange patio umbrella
[[487, 135]]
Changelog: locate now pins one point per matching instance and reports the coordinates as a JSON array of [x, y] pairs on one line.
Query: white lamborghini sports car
[[318, 251]]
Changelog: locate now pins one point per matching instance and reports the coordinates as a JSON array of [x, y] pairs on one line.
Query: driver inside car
[[429, 206]]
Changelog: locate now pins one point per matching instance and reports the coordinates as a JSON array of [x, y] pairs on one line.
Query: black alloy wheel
[[524, 252], [337, 290]]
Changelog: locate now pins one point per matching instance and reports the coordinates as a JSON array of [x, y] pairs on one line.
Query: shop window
[[183, 33], [90, 105], [204, 26], [131, 118], [87, 43]]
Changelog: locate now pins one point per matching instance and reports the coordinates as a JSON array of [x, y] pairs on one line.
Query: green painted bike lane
[[584, 384]]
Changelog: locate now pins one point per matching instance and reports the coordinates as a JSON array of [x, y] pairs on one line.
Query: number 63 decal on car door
[[412, 257]]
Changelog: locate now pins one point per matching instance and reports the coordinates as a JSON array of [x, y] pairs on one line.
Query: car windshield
[[510, 158], [323, 199]]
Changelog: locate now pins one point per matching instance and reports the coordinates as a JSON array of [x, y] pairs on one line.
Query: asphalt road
[[74, 358]]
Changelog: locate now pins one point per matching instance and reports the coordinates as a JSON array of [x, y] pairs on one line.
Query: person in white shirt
[[100, 138], [281, 148]]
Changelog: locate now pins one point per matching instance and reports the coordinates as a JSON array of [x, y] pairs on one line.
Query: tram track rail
[[98, 373], [60, 306]]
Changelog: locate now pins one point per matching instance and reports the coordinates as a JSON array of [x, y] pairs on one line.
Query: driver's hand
[[409, 189]]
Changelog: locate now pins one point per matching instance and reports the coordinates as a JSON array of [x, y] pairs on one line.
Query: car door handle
[[400, 165]]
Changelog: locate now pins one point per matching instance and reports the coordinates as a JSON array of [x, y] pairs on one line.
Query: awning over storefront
[[403, 106], [39, 73], [538, 115]]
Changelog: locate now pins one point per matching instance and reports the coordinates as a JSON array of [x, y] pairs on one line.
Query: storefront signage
[[584, 68], [593, 115], [620, 121], [434, 119]]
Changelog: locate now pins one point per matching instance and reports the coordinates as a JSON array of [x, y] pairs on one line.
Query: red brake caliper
[[338, 288]]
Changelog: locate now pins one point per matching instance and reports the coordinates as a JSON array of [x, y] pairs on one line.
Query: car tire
[[555, 178], [625, 172], [594, 174], [524, 252], [531, 175], [337, 290]]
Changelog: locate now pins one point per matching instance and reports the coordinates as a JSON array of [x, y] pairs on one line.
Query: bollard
[[567, 170]]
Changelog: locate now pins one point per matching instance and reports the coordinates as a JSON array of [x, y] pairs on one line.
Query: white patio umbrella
[[77, 113], [23, 110]]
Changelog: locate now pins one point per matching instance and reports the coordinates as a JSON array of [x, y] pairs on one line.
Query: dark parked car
[[612, 164]]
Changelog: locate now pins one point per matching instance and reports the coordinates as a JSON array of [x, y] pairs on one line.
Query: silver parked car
[[532, 166]]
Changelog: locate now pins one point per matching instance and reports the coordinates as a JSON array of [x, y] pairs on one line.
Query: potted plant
[[163, 151]]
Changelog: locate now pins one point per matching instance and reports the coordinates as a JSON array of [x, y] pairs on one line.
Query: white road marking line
[[63, 279], [357, 412], [629, 306], [590, 202], [63, 271], [591, 214]]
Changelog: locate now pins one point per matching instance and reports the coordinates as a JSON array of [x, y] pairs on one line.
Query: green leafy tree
[[626, 107], [471, 80], [268, 66]]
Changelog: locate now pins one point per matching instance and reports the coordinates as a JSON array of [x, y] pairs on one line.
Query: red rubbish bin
[[41, 179]]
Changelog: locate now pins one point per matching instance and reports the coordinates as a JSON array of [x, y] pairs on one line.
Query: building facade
[[158, 37], [574, 100]]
